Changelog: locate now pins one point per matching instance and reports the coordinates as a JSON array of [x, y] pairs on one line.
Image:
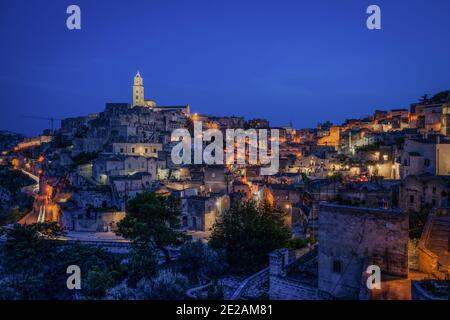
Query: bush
[[295, 244], [36, 267], [167, 285], [198, 260], [121, 292], [84, 158], [142, 263]]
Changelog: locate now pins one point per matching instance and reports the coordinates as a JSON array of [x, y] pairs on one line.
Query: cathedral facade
[[139, 98]]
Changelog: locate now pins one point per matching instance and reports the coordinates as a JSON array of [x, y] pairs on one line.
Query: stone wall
[[283, 286], [428, 261], [253, 287], [100, 222], [348, 236], [96, 199]]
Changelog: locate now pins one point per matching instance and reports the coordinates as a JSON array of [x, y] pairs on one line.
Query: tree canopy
[[153, 219], [248, 233], [33, 266]]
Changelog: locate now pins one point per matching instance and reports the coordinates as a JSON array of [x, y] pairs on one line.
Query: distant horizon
[[230, 115]]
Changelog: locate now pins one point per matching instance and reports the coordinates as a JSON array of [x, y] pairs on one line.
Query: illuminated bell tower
[[138, 91]]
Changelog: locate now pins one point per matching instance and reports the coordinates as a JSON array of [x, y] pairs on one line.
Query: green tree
[[33, 265], [26, 246], [440, 97], [98, 282], [27, 261], [84, 158], [248, 233], [100, 270], [154, 220], [424, 98]]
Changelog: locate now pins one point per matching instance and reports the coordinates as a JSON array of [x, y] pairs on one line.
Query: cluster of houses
[[381, 167]]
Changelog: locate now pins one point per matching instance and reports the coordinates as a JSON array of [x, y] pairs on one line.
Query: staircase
[[437, 241]]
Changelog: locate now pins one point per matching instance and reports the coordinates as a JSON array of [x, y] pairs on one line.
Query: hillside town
[[368, 191]]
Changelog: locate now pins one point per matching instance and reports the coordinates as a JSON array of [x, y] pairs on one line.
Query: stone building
[[293, 276], [243, 188], [139, 100], [332, 139], [137, 149], [312, 166], [92, 196], [258, 124], [232, 122], [445, 120], [199, 213], [393, 119], [426, 117], [371, 194], [285, 193], [426, 155], [106, 166], [33, 142], [92, 220], [350, 239], [213, 177], [426, 190], [141, 122], [286, 178], [124, 188], [70, 126], [138, 90], [352, 139]]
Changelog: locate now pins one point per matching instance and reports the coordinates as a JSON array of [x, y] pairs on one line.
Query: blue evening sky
[[299, 61]]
